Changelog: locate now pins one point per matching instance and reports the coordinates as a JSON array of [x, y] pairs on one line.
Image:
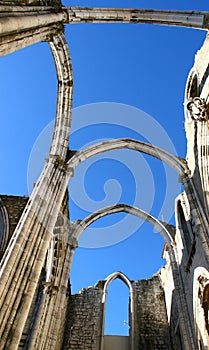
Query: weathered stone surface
[[171, 308], [84, 320], [151, 329]]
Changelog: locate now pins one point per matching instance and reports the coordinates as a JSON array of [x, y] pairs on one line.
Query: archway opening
[[117, 304], [139, 257], [185, 227]]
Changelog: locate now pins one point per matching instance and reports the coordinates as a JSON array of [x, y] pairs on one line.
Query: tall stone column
[[48, 332], [184, 320], [23, 260]]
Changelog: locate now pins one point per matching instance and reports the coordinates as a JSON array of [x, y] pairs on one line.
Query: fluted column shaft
[[15, 19], [22, 26], [24, 258], [51, 320]]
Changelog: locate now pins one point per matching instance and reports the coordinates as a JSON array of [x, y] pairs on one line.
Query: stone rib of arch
[[60, 52], [114, 276], [176, 163], [35, 28], [118, 208], [194, 19]]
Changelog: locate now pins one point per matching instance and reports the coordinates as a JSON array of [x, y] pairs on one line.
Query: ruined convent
[[168, 311]]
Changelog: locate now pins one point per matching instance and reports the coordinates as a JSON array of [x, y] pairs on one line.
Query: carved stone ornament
[[50, 288], [197, 109]]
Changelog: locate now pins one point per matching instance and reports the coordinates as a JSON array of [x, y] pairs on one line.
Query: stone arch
[[80, 226], [60, 52], [115, 275], [126, 280], [177, 164]]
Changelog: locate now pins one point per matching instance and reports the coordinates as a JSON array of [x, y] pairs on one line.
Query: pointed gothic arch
[[127, 282], [80, 225], [191, 92], [174, 162], [31, 229], [177, 163], [192, 86]]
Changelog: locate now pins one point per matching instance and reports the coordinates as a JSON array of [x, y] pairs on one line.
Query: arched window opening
[[206, 306], [192, 92], [187, 236], [117, 303], [184, 226], [192, 86]]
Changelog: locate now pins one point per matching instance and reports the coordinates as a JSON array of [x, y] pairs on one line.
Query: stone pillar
[[20, 19], [13, 42], [179, 303], [49, 329], [25, 255], [21, 26]]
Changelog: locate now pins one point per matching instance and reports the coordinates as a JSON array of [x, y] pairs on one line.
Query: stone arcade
[[36, 308]]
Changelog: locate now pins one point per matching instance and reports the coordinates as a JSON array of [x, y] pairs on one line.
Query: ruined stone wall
[[85, 315], [151, 325], [83, 326]]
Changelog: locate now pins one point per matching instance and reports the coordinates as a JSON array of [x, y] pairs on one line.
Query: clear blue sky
[[143, 66]]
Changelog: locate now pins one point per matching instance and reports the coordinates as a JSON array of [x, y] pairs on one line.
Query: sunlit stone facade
[[37, 310]]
